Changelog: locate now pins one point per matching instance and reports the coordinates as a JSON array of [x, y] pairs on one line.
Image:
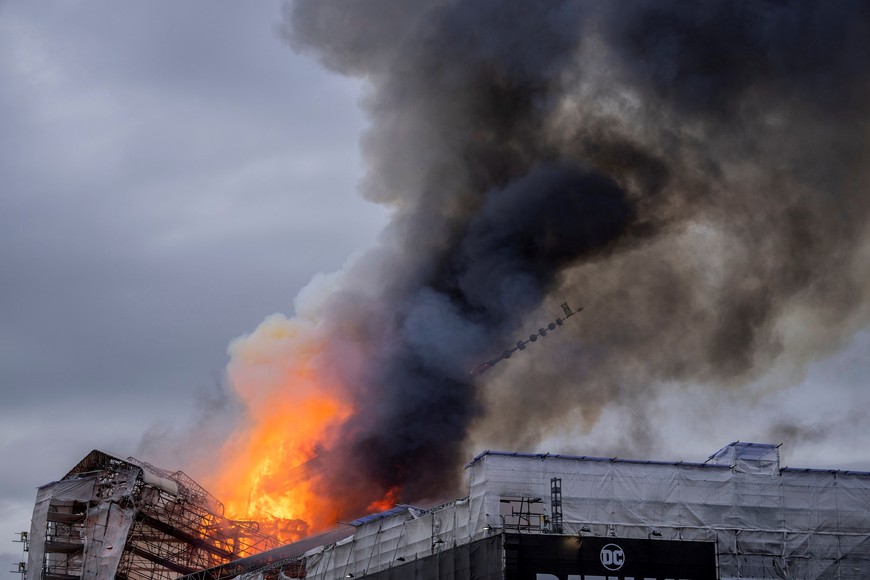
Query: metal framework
[[556, 504], [522, 513], [113, 518]]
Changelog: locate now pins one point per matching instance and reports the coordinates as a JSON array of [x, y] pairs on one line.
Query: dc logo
[[612, 557]]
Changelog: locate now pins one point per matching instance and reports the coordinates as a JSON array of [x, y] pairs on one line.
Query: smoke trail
[[692, 173]]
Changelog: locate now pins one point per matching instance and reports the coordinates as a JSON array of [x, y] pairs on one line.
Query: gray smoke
[[693, 173]]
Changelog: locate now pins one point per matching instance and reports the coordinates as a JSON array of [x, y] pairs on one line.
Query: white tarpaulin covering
[[73, 536], [765, 522], [108, 525], [58, 501], [400, 536]]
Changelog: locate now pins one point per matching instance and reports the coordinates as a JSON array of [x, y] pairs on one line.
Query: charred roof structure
[[556, 517], [113, 518]]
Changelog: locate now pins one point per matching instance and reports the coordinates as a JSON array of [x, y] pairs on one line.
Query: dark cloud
[[694, 175]]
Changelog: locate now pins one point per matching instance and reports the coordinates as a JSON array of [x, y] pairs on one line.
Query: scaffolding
[[556, 504], [114, 518]]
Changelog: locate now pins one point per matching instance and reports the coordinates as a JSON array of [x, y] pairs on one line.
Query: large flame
[[269, 470]]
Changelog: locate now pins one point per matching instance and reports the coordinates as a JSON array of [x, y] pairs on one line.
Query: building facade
[[554, 517], [526, 517]]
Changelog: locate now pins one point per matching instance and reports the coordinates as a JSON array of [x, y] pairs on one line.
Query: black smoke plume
[[693, 173]]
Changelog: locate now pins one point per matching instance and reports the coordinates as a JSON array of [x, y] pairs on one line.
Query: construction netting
[[755, 519], [766, 522], [113, 518], [71, 537]]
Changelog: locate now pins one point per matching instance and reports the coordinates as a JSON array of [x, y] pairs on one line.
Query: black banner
[[480, 560], [533, 557]]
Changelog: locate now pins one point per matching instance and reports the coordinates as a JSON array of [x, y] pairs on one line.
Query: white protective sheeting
[[107, 527], [57, 546], [767, 523], [160, 482], [72, 535], [393, 540]]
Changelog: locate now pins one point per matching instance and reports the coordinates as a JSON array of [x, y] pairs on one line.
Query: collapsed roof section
[[113, 518]]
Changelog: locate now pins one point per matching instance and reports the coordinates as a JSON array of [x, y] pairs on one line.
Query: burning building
[[115, 518], [695, 173], [739, 514]]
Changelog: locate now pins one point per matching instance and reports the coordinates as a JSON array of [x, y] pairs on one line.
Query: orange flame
[[388, 501], [270, 465]]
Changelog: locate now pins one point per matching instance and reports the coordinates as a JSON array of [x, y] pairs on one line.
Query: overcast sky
[[170, 174]]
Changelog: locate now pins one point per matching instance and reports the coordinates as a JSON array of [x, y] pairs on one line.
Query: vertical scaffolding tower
[[556, 505], [113, 518]]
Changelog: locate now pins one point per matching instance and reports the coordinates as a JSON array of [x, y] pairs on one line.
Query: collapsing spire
[[521, 344]]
